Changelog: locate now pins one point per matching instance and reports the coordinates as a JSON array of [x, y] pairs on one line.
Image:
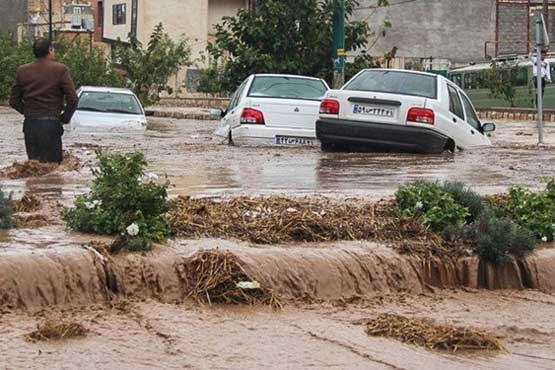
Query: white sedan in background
[[398, 110], [103, 109], [273, 109]]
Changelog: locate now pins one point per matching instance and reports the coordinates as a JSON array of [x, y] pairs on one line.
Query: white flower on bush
[[133, 229], [544, 239], [150, 177], [93, 204], [89, 205], [419, 205]]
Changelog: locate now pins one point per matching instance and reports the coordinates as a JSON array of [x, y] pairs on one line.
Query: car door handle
[[454, 120], [472, 132]]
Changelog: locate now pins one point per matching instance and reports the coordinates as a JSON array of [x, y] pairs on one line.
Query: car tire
[[326, 147], [450, 146]]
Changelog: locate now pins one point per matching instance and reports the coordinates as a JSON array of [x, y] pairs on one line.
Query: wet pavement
[[196, 165]]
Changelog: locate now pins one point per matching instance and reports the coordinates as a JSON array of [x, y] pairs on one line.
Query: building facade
[[190, 19]]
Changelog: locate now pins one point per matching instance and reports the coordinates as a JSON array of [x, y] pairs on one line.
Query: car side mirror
[[217, 113], [488, 127]]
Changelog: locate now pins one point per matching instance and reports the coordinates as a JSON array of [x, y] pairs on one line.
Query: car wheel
[[326, 147], [450, 146]]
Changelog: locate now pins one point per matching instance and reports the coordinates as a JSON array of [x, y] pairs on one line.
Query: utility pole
[[546, 14], [50, 20], [540, 43], [339, 44]]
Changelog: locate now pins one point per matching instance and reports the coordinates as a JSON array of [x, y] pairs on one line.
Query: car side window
[[455, 105], [237, 96], [471, 117]]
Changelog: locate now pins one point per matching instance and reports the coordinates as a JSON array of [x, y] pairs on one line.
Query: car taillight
[[251, 116], [329, 106], [421, 115]]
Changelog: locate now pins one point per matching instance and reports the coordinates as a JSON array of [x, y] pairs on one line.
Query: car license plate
[[373, 111], [293, 140]]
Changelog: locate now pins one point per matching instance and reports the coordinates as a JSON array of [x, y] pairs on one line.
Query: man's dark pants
[[43, 139]]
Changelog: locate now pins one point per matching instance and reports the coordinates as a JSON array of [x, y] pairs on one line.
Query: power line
[[385, 6]]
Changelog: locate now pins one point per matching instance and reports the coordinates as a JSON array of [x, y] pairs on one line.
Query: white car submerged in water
[[104, 109], [273, 109], [398, 110]]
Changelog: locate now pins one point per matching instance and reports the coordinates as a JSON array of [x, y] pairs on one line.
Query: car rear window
[[287, 88], [395, 82], [109, 103]]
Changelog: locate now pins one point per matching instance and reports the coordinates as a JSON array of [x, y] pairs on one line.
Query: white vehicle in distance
[[399, 110], [108, 109], [273, 109]]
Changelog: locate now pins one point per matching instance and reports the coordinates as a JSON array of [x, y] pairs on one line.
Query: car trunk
[[289, 113], [377, 107], [107, 121]]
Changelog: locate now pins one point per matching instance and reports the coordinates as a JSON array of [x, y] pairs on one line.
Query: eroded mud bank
[[77, 275]]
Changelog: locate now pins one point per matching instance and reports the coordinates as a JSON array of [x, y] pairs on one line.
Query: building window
[[118, 14]]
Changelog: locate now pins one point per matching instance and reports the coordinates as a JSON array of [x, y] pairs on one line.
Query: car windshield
[[395, 82], [287, 88], [109, 103]]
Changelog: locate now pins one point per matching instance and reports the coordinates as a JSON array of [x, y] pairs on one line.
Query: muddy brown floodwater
[[196, 165], [136, 311]]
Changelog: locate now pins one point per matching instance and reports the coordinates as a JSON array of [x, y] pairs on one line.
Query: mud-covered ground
[[148, 335], [196, 165]]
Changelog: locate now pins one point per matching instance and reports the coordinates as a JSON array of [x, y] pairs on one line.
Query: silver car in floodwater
[[103, 109]]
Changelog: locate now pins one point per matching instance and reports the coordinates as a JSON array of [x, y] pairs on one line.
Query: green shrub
[[535, 211], [120, 202], [427, 201], [497, 239], [5, 211], [460, 214], [466, 197]]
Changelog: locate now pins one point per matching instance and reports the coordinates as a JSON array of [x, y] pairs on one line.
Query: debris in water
[[20, 170], [57, 330], [31, 221], [216, 276], [272, 220], [28, 203], [426, 334]]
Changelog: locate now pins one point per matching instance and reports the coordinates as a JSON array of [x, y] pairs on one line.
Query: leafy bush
[[149, 68], [120, 201], [12, 55], [5, 211], [428, 201], [535, 211], [458, 213], [466, 197], [499, 238], [88, 65]]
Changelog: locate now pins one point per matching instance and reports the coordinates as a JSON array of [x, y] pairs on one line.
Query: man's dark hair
[[41, 47]]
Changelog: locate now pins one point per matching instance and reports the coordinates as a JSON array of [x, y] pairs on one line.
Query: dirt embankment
[[344, 271]]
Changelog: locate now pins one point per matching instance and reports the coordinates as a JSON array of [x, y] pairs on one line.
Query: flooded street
[[198, 166], [146, 335], [139, 316]]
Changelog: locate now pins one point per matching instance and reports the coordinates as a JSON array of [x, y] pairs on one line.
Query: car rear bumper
[[380, 137], [266, 136]]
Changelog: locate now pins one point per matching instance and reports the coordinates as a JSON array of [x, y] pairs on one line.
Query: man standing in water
[[38, 93]]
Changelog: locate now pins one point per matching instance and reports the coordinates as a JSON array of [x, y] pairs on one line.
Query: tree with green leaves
[[282, 36], [500, 80], [149, 69], [12, 55], [88, 65]]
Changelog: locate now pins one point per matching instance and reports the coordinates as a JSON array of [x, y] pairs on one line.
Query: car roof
[[285, 75], [114, 90]]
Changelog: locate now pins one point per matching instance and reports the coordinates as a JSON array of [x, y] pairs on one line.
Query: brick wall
[[512, 28]]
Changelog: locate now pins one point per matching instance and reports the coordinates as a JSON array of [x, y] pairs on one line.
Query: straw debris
[[217, 277], [57, 330], [28, 203], [30, 221], [273, 220], [21, 170], [426, 334]]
